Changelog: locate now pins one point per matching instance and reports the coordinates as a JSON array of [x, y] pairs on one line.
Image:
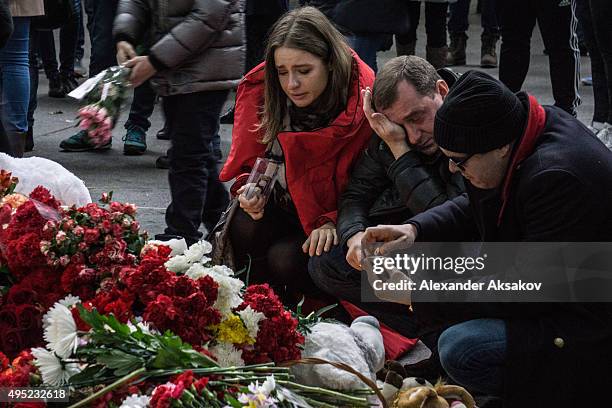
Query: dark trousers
[[333, 275], [459, 14], [142, 107], [68, 40], [257, 27], [435, 24], [192, 120], [273, 247], [557, 25], [103, 52], [595, 18]]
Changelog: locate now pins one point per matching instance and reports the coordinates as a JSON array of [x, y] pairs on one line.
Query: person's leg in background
[[15, 83], [490, 34], [48, 55], [406, 44], [601, 13], [435, 27], [600, 90], [33, 104], [557, 24], [192, 121], [103, 52], [69, 36], [366, 45], [473, 354], [458, 25], [80, 49], [517, 22]]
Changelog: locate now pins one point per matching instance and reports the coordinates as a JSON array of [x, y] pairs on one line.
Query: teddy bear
[[412, 392], [359, 346]]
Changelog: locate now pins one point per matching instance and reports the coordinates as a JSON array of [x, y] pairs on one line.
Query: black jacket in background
[[384, 190], [6, 23], [562, 192]]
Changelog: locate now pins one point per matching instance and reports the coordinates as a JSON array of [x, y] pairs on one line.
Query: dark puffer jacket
[[196, 45]]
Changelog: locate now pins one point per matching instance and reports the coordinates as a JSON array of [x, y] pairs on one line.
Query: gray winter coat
[[195, 45]]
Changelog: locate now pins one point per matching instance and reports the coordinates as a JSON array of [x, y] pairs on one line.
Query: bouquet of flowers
[[103, 95]]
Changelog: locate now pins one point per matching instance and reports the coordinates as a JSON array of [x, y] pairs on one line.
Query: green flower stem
[[321, 391], [108, 388]]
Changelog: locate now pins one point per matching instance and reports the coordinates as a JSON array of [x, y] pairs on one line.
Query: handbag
[[373, 17], [222, 252], [58, 13]]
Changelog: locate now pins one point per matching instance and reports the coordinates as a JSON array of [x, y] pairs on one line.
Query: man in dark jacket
[[532, 174], [402, 173], [196, 54]]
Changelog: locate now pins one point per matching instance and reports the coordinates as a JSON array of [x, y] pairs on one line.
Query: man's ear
[[442, 88]]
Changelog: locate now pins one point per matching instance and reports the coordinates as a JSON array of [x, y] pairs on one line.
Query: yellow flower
[[232, 330]]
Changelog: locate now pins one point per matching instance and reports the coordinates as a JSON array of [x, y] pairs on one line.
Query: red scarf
[[535, 124]]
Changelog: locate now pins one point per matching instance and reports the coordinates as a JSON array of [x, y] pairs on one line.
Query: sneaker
[[163, 134], [162, 162], [69, 82], [228, 117], [56, 87], [135, 141], [80, 143], [605, 135], [79, 69], [587, 81]]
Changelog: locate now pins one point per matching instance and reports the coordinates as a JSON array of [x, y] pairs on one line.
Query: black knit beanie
[[478, 115]]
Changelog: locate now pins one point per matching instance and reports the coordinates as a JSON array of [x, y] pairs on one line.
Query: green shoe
[[80, 143], [135, 141]]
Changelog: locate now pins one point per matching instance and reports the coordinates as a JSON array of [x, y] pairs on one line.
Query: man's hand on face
[[392, 133], [354, 254]]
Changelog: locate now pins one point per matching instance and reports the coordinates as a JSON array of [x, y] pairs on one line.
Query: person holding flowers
[[195, 55], [302, 108]]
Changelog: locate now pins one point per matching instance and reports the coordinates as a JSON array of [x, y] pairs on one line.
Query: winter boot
[[17, 142], [436, 56], [405, 49], [488, 56], [456, 52]]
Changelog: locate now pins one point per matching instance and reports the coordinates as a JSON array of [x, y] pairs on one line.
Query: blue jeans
[[473, 354], [458, 21], [15, 77], [367, 45]]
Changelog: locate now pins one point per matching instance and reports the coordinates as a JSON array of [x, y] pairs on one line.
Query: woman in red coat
[[302, 107]]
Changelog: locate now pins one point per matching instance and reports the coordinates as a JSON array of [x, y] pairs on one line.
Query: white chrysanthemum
[[196, 252], [60, 331], [223, 270], [227, 355], [177, 264], [228, 297], [251, 319], [144, 327], [197, 271], [136, 401], [70, 301], [54, 372]]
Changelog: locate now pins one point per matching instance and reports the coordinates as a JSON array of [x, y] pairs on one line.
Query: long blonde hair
[[309, 30]]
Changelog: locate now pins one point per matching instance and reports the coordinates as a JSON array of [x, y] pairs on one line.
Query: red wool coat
[[317, 163]]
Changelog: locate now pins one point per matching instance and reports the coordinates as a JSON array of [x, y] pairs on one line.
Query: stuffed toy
[[412, 392], [359, 346]]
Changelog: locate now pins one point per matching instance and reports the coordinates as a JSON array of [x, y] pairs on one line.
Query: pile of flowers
[[103, 96]]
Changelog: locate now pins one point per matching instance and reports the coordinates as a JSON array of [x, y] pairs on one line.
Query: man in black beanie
[[533, 173]]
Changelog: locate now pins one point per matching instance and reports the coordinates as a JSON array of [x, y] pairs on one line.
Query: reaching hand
[[321, 239], [142, 70], [354, 254], [253, 206], [125, 52], [395, 237], [390, 132]]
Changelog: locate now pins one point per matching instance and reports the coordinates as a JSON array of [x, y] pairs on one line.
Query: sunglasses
[[460, 164]]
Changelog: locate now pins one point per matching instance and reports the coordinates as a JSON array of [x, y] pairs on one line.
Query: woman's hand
[[253, 206], [321, 239]]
